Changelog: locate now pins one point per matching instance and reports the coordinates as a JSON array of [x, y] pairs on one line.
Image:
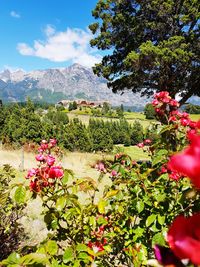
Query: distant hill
[[53, 85]]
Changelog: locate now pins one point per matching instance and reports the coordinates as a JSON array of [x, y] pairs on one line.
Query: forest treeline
[[22, 124]]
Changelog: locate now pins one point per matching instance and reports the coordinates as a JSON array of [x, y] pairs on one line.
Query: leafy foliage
[[11, 233], [153, 45]]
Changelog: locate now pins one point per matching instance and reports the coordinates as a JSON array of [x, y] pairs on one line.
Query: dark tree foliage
[[192, 109], [21, 124], [152, 45]]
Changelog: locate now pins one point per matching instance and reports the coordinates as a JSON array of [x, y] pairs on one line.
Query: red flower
[[175, 176], [174, 103], [187, 162], [185, 122], [184, 238], [56, 172], [34, 186]]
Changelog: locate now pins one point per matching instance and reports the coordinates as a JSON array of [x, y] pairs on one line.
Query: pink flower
[[50, 160], [147, 141], [185, 115], [140, 145], [175, 176], [100, 167], [177, 113], [184, 238], [155, 102], [32, 172], [113, 173], [173, 118], [184, 121], [174, 103], [162, 94], [163, 170], [40, 157], [52, 142], [188, 161], [43, 147], [193, 124], [56, 172]]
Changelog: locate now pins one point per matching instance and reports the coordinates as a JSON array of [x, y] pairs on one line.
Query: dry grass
[[79, 163]]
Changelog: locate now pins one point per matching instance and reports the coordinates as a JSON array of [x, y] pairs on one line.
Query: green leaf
[[150, 219], [101, 206], [159, 156], [14, 258], [76, 263], [60, 203], [161, 219], [54, 263], [84, 256], [68, 255], [81, 247], [34, 258], [52, 247], [20, 194], [65, 178], [111, 193], [140, 206], [158, 239]]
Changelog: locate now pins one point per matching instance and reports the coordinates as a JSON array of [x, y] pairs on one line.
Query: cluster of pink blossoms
[[146, 142], [184, 234], [46, 173], [163, 102], [166, 107]]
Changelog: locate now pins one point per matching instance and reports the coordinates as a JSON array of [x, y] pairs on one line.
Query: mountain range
[[53, 85], [70, 83]]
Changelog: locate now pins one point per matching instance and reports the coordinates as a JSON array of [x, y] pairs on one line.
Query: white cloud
[[70, 45], [14, 14]]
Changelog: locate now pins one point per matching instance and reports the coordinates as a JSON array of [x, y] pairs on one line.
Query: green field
[[131, 117]]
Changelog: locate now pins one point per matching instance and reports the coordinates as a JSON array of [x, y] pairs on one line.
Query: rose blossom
[[113, 173], [140, 145], [185, 121], [52, 142], [184, 238], [34, 186], [50, 160], [147, 141], [32, 172], [55, 172], [100, 167], [188, 161], [39, 157]]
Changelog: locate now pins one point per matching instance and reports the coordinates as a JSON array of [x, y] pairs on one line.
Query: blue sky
[[39, 34]]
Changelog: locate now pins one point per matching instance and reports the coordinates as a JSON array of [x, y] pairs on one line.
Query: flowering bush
[[125, 221]]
